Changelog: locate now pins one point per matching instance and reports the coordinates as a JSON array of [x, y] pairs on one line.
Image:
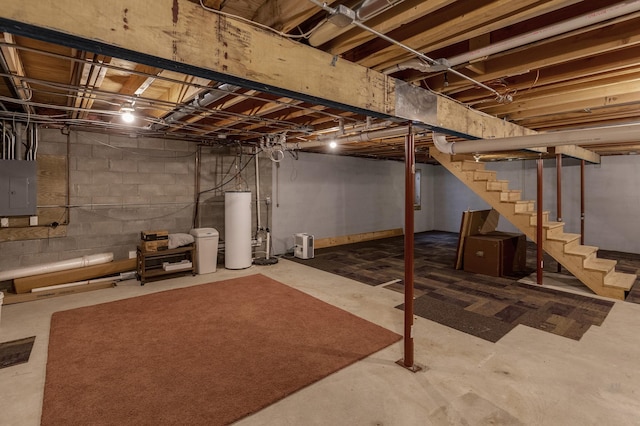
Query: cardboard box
[[154, 235], [496, 254], [157, 245]]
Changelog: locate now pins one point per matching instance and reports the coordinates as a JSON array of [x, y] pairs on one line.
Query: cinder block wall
[[122, 185]]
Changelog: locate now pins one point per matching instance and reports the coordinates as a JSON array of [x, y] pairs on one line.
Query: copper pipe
[[409, 185], [539, 227], [559, 193], [582, 202]]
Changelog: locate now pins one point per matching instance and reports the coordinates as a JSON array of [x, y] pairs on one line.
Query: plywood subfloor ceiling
[[581, 72]]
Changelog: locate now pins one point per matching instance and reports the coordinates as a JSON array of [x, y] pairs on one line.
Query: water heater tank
[[237, 229]]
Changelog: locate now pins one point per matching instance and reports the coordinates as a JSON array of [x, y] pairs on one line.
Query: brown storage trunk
[[496, 254]]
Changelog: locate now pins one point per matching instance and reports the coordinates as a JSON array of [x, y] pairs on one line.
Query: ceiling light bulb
[[128, 117], [333, 145], [126, 112]]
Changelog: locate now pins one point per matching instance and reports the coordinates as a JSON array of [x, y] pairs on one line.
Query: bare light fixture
[[333, 144], [126, 111]]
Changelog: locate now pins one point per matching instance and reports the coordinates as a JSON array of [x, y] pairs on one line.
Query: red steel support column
[[582, 202], [539, 228], [559, 193], [409, 185]]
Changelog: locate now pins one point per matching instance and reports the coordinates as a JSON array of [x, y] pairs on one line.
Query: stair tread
[[484, 175], [565, 237], [533, 213], [620, 280], [468, 165], [610, 282], [552, 224], [581, 250], [599, 264]]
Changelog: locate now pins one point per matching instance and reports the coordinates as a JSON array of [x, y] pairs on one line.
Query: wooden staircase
[[581, 260]]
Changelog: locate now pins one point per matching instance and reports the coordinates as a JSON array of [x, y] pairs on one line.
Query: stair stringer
[[601, 279]]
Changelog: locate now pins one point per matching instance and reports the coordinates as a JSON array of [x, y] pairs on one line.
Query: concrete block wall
[[120, 186]]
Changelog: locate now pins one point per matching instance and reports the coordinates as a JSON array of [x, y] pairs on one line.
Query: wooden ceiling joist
[[216, 47], [578, 152], [11, 59]]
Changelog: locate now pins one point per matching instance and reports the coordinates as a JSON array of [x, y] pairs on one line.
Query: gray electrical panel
[[18, 188]]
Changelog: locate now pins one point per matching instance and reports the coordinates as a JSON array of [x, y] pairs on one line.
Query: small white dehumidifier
[[303, 246]]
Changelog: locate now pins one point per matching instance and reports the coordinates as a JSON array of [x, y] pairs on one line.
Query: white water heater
[[303, 246], [237, 229]]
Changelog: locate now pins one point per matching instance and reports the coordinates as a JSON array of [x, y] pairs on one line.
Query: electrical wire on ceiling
[[97, 96], [499, 97]]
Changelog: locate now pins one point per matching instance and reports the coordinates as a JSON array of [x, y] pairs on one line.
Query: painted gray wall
[[121, 186], [612, 197], [329, 196]]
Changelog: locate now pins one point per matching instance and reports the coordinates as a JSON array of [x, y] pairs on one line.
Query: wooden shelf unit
[[149, 263]]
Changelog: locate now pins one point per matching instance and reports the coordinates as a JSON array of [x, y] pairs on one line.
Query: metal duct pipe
[[594, 136], [578, 22], [207, 99]]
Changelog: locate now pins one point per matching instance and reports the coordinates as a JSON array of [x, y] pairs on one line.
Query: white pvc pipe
[[440, 142], [63, 265], [258, 222], [75, 284], [593, 136], [578, 22], [59, 286], [268, 243]]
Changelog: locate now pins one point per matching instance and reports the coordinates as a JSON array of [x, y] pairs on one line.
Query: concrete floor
[[529, 377]]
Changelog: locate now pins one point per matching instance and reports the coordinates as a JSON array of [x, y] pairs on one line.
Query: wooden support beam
[[181, 36], [578, 152], [356, 238]]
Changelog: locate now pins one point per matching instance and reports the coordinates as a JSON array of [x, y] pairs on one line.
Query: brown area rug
[[203, 355]]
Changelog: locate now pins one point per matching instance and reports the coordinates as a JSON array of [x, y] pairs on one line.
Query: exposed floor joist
[[174, 38]]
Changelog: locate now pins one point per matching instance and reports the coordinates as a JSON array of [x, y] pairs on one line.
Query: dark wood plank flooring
[[486, 307]]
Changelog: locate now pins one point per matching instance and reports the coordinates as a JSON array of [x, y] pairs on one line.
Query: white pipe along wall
[[582, 21], [593, 136], [79, 262]]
